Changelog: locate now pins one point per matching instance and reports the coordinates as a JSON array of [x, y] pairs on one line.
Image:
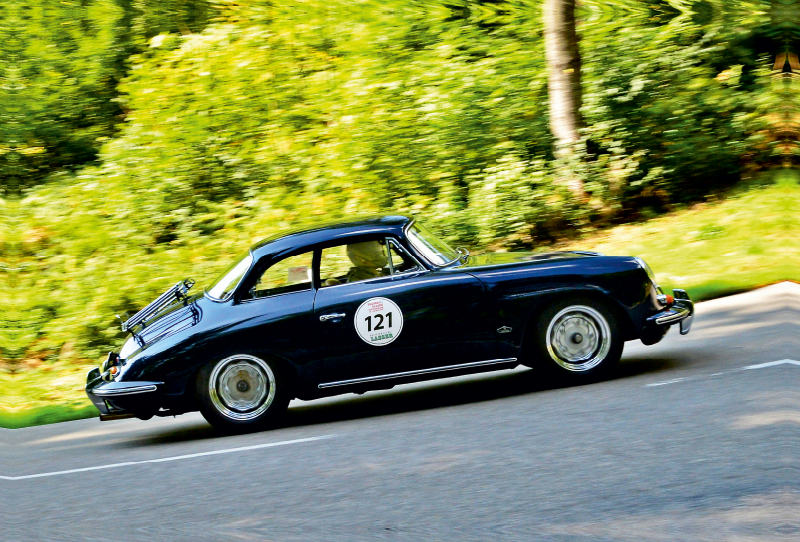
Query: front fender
[[521, 312], [520, 294]]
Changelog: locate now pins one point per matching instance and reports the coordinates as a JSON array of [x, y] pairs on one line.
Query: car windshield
[[227, 281], [434, 249]]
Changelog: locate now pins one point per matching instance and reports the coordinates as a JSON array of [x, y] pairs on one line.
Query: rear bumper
[[117, 400]]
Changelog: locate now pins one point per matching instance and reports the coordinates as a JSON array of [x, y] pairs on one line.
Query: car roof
[[330, 231]]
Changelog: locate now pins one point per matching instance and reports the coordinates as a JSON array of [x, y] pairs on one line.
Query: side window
[[361, 261], [354, 262], [292, 274]]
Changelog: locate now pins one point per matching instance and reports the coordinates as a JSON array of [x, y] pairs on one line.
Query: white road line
[[772, 364], [664, 383], [758, 366], [165, 459]]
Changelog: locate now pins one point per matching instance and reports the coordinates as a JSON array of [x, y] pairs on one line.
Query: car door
[[404, 318], [275, 312]]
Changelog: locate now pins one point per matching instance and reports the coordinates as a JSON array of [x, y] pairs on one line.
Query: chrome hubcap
[[242, 387], [578, 338]]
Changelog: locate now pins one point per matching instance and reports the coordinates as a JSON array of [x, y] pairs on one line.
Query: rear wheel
[[242, 393], [577, 339]]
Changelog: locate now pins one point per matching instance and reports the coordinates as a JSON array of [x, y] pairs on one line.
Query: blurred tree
[[564, 79]]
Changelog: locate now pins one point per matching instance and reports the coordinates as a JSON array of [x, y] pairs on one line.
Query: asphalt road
[[683, 444]]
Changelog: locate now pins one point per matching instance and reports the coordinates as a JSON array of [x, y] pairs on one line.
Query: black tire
[[576, 340], [242, 393]]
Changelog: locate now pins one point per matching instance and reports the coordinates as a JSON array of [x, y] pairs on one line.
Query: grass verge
[[711, 250], [44, 415], [38, 397]]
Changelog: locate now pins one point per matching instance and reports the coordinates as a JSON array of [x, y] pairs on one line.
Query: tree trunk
[[563, 78]]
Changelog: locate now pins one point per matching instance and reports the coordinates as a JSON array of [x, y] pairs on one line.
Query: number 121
[[379, 318]]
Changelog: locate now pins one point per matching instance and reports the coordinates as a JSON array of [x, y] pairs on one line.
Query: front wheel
[[242, 393], [578, 340]]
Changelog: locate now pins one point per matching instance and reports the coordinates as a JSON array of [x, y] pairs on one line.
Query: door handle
[[334, 317]]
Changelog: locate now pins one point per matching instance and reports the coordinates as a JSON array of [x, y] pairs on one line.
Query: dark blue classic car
[[368, 304]]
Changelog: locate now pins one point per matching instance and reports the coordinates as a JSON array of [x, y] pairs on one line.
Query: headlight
[[647, 270]]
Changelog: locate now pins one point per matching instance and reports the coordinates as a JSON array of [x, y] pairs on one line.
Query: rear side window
[[229, 280], [292, 274]]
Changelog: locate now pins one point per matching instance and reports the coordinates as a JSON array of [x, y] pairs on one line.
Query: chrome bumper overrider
[[681, 311]]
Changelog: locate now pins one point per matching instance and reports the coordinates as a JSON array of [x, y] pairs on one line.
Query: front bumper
[[680, 312], [117, 400]]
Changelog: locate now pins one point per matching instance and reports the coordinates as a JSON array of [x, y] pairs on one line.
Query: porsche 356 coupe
[[368, 304]]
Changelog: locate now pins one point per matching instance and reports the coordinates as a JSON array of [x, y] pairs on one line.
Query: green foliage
[[60, 64], [57, 78], [143, 142], [328, 109]]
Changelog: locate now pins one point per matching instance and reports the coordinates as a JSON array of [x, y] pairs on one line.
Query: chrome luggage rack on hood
[[176, 293]]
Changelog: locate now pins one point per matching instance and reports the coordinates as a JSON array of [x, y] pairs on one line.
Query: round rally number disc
[[379, 321]]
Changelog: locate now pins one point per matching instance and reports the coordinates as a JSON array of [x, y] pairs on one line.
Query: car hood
[[507, 258]]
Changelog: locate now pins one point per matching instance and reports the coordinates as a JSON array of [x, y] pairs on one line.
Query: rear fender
[[286, 367]]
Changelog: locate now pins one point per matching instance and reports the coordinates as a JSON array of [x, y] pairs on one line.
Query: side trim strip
[[125, 391], [419, 372]]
